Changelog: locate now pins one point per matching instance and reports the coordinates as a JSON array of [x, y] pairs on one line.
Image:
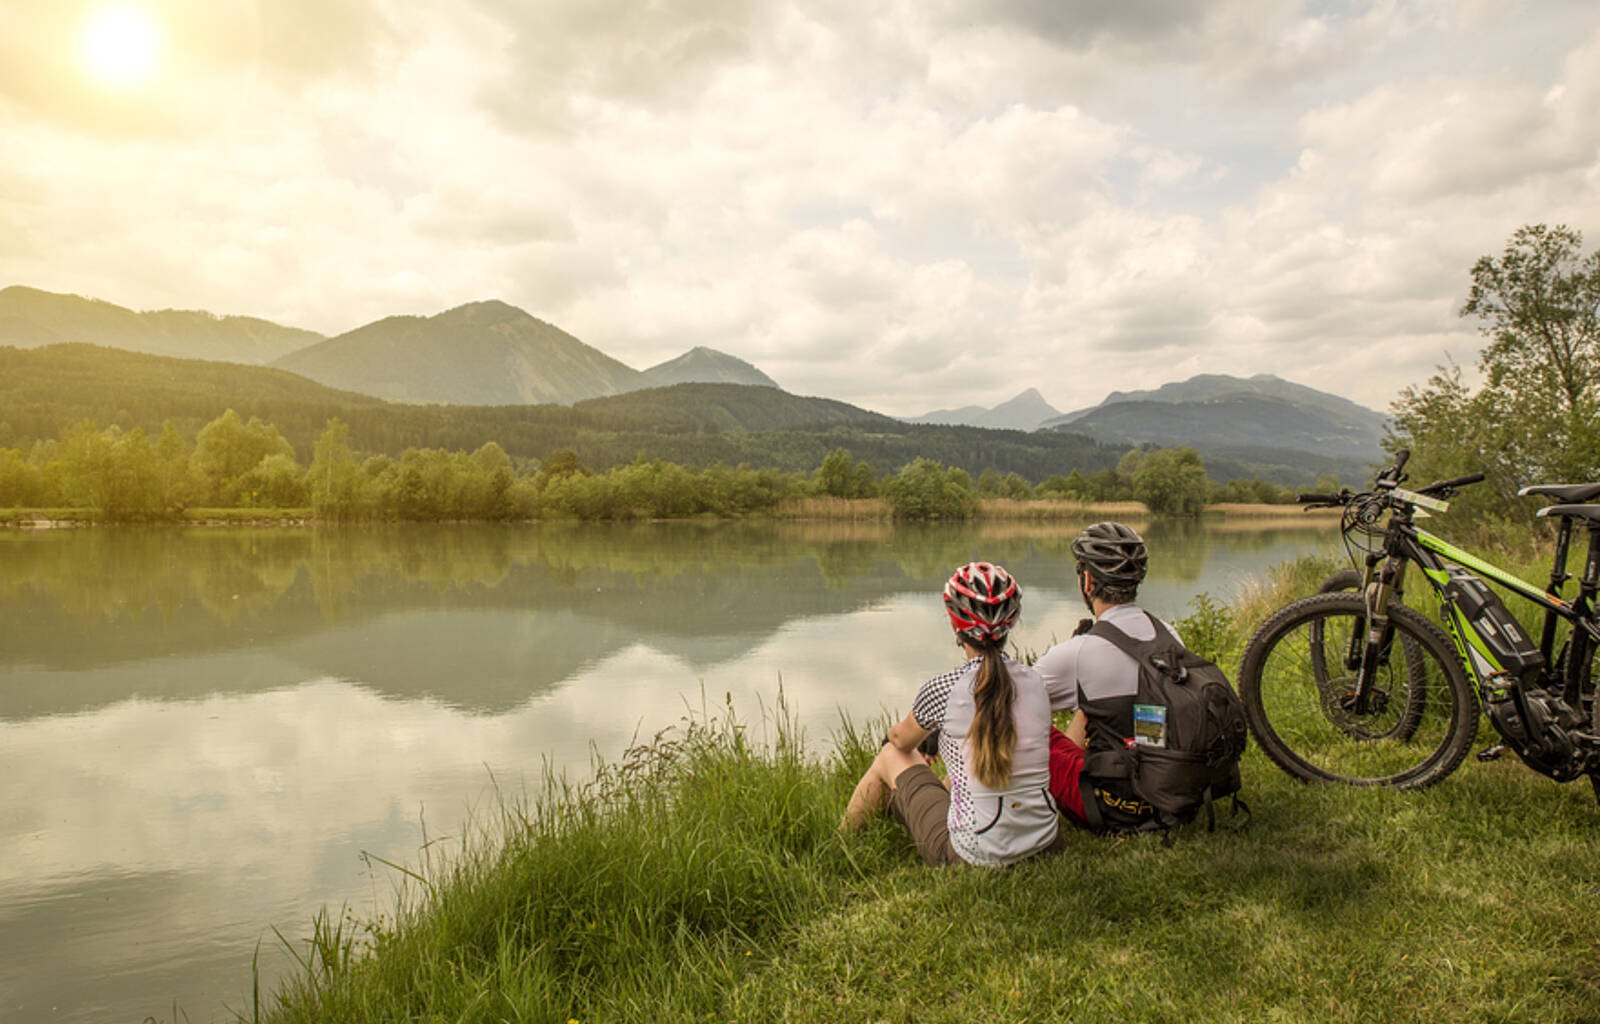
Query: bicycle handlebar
[[1449, 485], [1387, 481], [1392, 477]]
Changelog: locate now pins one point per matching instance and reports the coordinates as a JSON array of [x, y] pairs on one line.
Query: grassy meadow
[[701, 878]]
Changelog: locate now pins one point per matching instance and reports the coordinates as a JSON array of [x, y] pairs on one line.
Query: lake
[[204, 733]]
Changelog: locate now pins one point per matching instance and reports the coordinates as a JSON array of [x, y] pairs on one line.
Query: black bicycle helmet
[[984, 602], [1112, 554]]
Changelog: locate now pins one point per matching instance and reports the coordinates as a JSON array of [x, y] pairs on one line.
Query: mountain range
[[30, 318], [1216, 413], [482, 353], [492, 354]]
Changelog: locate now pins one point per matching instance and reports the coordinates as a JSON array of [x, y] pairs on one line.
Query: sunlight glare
[[120, 45]]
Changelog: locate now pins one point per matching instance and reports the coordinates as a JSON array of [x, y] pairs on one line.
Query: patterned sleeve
[[933, 698]]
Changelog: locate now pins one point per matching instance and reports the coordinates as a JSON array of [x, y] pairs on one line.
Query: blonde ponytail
[[994, 732]]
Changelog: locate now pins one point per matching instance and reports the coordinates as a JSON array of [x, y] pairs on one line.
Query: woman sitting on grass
[[993, 719]]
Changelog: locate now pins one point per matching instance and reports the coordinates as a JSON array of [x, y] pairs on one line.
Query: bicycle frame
[[1405, 543]]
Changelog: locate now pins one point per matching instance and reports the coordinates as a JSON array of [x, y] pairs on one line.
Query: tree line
[[125, 475]]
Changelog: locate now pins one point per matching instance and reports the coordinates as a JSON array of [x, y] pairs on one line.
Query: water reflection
[[201, 731], [486, 617]]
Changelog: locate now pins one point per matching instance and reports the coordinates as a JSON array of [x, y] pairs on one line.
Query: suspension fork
[[1371, 648]]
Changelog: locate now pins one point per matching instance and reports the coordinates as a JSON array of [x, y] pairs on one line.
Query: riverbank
[[701, 877], [822, 509]]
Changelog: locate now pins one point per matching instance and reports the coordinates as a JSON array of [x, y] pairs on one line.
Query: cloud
[[904, 207]]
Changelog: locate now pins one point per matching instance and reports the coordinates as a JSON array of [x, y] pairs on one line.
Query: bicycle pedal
[[1492, 753]]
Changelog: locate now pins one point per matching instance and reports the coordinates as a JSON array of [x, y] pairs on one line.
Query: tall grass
[[701, 878], [825, 507], [1058, 508]]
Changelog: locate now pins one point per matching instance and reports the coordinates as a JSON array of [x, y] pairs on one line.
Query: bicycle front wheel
[[1298, 679]]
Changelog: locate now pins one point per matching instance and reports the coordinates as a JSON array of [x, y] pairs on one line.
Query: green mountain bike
[[1352, 685]]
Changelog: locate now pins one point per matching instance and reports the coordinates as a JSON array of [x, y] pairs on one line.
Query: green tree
[[1539, 306], [1534, 418], [836, 476], [334, 481], [1172, 481], [180, 485], [994, 484], [112, 472], [22, 483], [1103, 486], [227, 448], [925, 489], [1127, 472], [494, 468], [277, 481], [1055, 486]]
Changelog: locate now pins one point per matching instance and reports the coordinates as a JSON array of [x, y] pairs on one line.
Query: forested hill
[[1218, 411], [44, 391], [482, 353], [732, 407], [30, 317], [1254, 420]]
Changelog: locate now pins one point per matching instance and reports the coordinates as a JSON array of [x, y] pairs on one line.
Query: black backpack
[[1189, 731]]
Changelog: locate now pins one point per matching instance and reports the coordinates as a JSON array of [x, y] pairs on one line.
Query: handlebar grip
[[1401, 457], [1460, 481], [1319, 499]]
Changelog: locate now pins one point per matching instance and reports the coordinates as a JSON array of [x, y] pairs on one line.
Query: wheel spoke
[[1301, 692]]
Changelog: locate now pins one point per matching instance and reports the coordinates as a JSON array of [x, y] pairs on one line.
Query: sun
[[120, 45]]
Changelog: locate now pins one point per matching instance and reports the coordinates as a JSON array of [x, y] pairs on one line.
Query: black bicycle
[[1352, 685]]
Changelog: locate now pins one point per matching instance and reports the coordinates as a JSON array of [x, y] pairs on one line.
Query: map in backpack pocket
[[1150, 725]]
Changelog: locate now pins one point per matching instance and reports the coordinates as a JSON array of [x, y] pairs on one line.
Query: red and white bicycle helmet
[[984, 602]]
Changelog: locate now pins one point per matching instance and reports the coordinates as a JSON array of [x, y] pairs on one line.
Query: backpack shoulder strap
[[1139, 650]]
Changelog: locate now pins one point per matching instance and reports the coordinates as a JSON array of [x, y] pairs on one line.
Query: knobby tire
[[1423, 715]]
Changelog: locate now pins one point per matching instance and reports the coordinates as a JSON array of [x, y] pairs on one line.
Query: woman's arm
[[906, 734]]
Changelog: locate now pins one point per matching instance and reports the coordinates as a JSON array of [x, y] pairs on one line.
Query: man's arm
[[1058, 667]]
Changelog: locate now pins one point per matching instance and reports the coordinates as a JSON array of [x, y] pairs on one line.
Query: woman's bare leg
[[872, 792]]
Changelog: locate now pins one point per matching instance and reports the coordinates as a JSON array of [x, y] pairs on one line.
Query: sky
[[907, 204]]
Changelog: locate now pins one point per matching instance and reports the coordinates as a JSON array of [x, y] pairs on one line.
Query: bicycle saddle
[[1564, 492], [1589, 512]]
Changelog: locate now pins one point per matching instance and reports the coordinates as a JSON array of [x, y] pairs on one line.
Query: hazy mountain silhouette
[[1026, 411], [30, 318], [701, 365], [483, 353], [1216, 411]]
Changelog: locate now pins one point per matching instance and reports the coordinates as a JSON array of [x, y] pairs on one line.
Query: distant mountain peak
[[480, 353], [1215, 411], [1026, 411], [703, 365]]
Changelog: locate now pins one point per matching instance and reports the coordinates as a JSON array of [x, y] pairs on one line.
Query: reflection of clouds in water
[[150, 843], [242, 785], [260, 785], [246, 810]]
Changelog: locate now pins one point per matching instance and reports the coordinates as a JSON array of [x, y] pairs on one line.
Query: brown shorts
[[922, 804]]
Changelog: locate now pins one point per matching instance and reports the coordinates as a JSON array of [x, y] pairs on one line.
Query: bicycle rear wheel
[[1580, 672], [1296, 685]]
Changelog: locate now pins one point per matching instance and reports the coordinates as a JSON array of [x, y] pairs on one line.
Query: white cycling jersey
[[994, 827]]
